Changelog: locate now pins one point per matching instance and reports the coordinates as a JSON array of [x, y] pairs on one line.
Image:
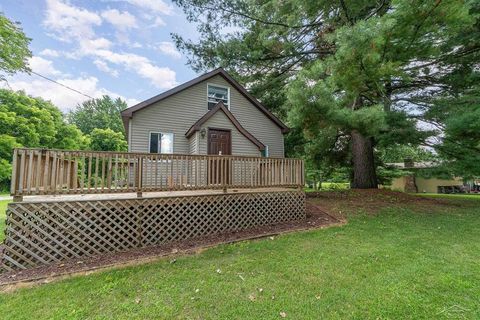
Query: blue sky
[[117, 47]]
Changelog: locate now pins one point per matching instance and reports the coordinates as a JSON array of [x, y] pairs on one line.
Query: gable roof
[[127, 113], [221, 107], [413, 165]]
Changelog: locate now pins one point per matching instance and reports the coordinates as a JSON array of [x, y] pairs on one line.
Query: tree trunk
[[364, 175]]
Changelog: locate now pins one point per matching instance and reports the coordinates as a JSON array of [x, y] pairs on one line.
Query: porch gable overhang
[[221, 107]]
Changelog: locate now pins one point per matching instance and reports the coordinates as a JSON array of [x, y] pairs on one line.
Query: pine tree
[[346, 70]]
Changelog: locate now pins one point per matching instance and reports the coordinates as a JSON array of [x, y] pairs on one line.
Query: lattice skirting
[[40, 233]]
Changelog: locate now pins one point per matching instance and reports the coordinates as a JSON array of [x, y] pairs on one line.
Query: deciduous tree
[[107, 140], [32, 122], [14, 52], [102, 113]]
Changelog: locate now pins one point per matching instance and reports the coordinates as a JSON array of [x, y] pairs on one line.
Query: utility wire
[[61, 84]]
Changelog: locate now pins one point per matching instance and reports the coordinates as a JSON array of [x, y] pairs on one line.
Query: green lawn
[[450, 196], [3, 208], [331, 186], [395, 265]]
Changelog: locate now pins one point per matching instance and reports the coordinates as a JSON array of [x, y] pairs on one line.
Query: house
[[412, 181], [166, 189], [211, 114]]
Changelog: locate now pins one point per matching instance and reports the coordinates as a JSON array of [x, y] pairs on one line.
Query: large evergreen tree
[[348, 68]]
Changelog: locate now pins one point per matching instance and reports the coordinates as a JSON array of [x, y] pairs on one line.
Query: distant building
[[414, 183]]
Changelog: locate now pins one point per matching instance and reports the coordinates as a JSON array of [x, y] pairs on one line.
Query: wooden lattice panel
[[46, 232]]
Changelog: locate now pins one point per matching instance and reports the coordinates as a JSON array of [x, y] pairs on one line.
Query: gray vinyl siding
[[177, 113], [240, 144], [193, 141]]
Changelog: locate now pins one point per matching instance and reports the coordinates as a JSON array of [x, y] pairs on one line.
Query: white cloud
[[76, 25], [43, 66], [169, 49], [163, 78], [88, 46], [121, 20], [49, 53], [158, 6], [68, 22], [103, 66], [62, 97], [159, 22]]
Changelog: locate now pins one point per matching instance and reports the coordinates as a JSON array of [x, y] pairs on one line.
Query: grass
[[398, 264], [450, 196], [331, 186], [3, 208]]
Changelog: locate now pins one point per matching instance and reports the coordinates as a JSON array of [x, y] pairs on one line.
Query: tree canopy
[[27, 121], [107, 140], [14, 51], [102, 113], [356, 76], [32, 122]]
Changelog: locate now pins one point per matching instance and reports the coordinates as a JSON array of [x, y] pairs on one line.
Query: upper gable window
[[217, 94]]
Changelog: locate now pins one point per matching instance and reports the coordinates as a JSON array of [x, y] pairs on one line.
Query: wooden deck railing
[[48, 172]]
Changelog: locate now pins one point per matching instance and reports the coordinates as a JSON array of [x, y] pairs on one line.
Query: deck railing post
[[139, 177], [225, 173], [13, 183]]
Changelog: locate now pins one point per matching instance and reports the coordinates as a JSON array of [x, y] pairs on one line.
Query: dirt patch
[[342, 203], [317, 217]]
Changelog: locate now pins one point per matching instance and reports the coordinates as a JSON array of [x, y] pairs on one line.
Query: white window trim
[[161, 132], [220, 86]]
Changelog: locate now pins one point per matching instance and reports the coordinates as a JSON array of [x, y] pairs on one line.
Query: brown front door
[[219, 143]]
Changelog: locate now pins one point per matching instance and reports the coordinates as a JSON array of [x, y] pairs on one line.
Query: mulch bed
[[317, 217], [342, 203]]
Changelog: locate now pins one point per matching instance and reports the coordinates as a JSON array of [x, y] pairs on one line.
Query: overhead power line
[[61, 84]]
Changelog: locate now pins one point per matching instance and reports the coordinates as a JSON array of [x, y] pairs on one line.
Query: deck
[[56, 172], [72, 204], [147, 195]]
